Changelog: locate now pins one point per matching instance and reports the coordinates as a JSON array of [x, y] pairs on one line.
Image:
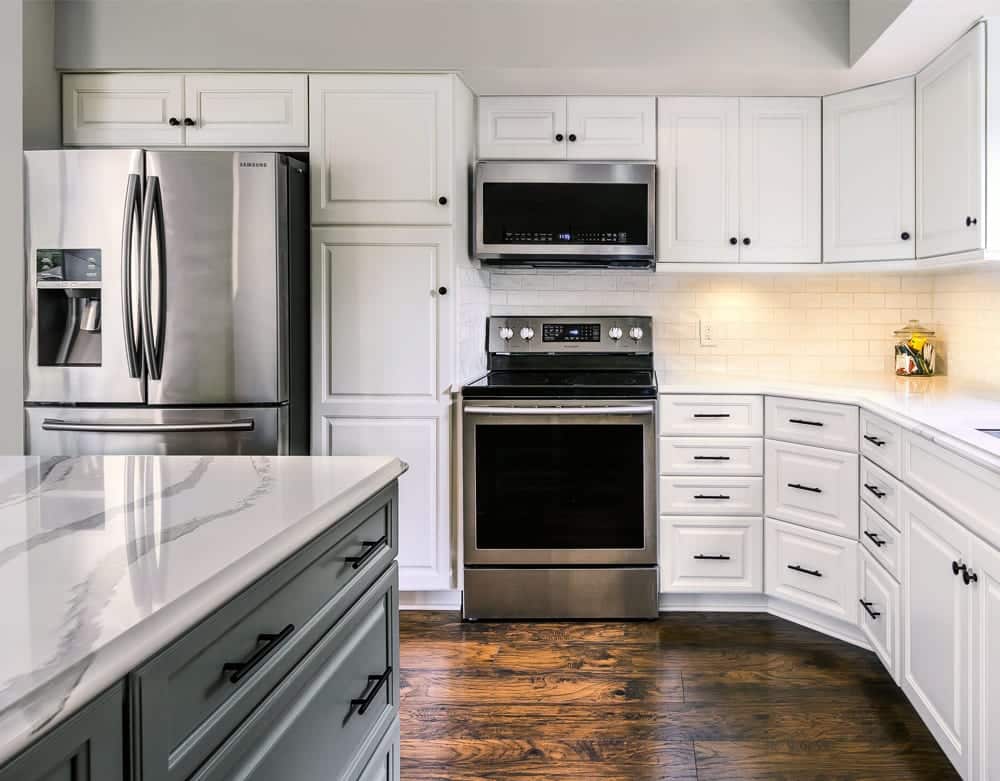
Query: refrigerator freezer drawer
[[147, 431]]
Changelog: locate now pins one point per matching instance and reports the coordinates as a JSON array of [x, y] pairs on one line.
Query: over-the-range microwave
[[565, 215]]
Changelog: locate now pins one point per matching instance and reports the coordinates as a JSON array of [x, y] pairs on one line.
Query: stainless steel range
[[559, 461]]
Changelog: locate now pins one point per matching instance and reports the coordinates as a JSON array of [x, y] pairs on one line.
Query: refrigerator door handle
[[152, 210], [133, 212], [55, 424]]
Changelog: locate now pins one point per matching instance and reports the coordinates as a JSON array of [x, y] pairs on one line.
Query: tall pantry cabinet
[[390, 157]]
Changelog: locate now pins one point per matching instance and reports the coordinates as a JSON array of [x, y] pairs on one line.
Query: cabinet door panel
[[381, 149], [951, 130], [936, 625], [868, 173], [123, 109], [522, 127], [247, 109], [611, 128], [985, 561], [780, 173], [424, 528], [382, 328], [698, 172]]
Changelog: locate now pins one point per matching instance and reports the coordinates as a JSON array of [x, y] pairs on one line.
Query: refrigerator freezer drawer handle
[[54, 424]]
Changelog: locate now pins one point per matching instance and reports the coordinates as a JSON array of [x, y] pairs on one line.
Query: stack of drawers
[[881, 563], [711, 493], [811, 505]]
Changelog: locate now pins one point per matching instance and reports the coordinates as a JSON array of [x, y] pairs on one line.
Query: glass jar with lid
[[915, 351]]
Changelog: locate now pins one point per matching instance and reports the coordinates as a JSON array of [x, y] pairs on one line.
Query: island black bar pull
[[711, 458], [800, 487], [874, 490], [240, 670], [814, 573], [875, 440], [712, 415], [711, 496], [371, 548], [363, 703], [705, 557], [874, 538], [868, 608], [805, 422]]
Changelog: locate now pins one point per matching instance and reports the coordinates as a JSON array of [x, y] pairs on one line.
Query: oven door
[[559, 482]]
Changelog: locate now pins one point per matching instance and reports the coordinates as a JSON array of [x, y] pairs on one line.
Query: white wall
[[41, 81], [868, 20], [11, 232]]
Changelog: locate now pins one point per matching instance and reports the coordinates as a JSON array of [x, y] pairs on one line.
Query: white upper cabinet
[[381, 149], [560, 128], [951, 148], [531, 128], [251, 109], [123, 109], [600, 128], [780, 170], [698, 179], [209, 109], [868, 173]]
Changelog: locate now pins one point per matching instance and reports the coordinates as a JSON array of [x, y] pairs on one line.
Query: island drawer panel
[[201, 687], [312, 725]]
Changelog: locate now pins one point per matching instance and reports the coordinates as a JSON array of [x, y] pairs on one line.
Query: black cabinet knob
[[559, 136], [572, 136], [746, 242], [733, 240], [442, 200], [970, 221], [904, 236], [188, 122], [173, 121], [442, 291]]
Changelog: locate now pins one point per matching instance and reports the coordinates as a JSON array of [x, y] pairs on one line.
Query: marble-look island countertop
[[105, 560], [936, 408]]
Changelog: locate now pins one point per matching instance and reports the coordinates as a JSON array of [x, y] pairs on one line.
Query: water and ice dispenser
[[69, 306]]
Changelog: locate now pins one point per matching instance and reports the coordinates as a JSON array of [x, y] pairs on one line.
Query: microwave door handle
[[56, 424], [638, 410], [133, 211], [152, 217]]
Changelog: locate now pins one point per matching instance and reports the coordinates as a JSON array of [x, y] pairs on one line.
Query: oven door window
[[559, 486]]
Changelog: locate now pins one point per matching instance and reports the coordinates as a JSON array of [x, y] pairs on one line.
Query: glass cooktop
[[563, 384]]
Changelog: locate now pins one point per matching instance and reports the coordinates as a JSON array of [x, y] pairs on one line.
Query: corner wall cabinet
[[194, 109]]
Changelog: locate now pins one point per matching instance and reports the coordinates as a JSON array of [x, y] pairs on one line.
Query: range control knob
[[527, 334], [635, 333], [506, 333], [615, 333]]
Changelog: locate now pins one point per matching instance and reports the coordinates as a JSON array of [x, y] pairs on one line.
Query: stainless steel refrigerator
[[167, 302]]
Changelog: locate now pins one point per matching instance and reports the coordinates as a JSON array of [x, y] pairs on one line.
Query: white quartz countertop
[[936, 408], [105, 560]]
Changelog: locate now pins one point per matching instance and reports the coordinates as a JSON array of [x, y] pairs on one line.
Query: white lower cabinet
[[882, 541], [711, 495], [811, 568], [936, 628], [878, 611], [715, 554], [881, 491], [711, 456], [985, 563]]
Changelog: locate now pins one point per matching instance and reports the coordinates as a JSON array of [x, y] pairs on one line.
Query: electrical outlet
[[706, 331]]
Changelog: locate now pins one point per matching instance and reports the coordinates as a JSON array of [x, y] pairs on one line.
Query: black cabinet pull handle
[[874, 490], [800, 487], [371, 548], [733, 240], [442, 291], [971, 221], [174, 122], [868, 609], [559, 136], [904, 236], [363, 703], [188, 122], [712, 415], [746, 241], [875, 440], [711, 496], [875, 538], [711, 458], [969, 576], [704, 557], [801, 422], [572, 136], [265, 645], [813, 572]]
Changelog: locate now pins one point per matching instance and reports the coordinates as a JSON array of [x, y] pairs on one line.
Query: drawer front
[[315, 724], [811, 568], [965, 490], [812, 423], [715, 554], [883, 541], [812, 486], [192, 690], [881, 441], [711, 495], [711, 456], [878, 611], [713, 416], [881, 490]]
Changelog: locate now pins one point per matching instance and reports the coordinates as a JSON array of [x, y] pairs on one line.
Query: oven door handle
[[640, 410]]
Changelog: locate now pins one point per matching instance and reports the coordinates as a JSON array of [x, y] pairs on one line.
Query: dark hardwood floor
[[694, 696]]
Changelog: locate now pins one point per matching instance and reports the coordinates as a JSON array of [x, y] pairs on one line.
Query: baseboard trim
[[713, 603], [450, 599]]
